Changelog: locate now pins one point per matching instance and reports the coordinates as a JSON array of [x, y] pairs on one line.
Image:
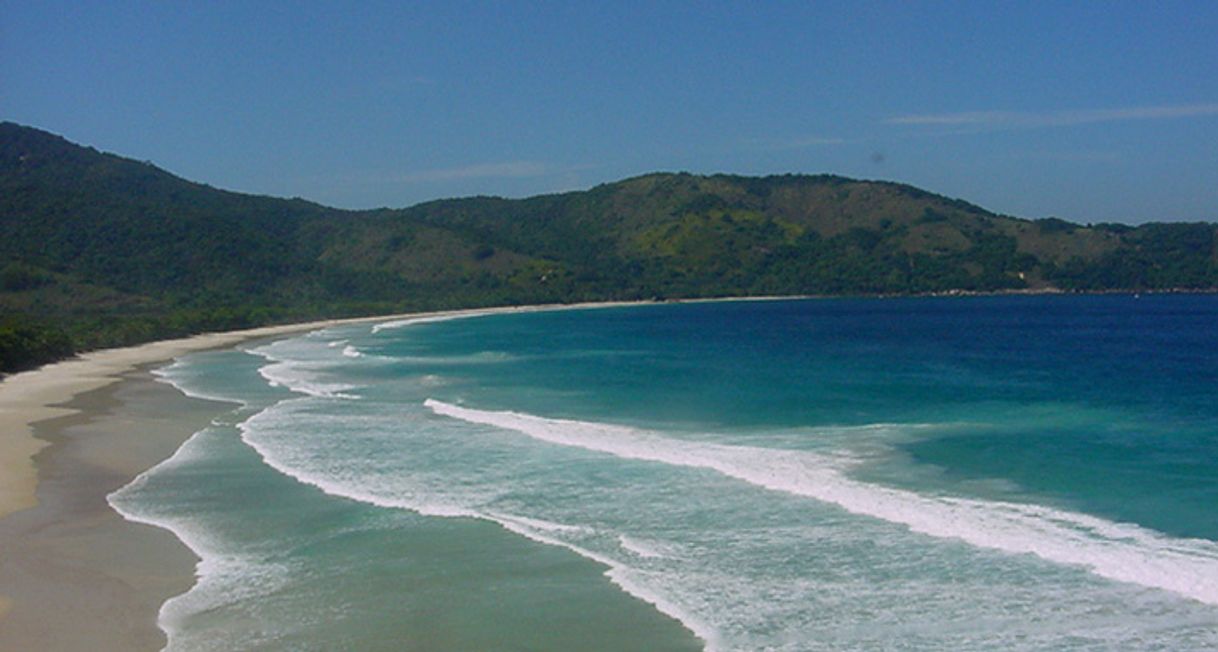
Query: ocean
[[972, 473]]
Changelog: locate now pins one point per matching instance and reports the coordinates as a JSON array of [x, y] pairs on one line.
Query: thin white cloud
[[506, 170], [1026, 119], [956, 119]]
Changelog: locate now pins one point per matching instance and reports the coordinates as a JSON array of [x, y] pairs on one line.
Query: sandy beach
[[71, 553], [73, 432]]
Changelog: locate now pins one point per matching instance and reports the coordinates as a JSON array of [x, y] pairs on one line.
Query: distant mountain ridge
[[106, 250]]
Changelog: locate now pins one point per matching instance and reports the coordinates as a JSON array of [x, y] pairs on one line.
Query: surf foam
[[412, 321], [1116, 551], [541, 531], [220, 576], [302, 377]]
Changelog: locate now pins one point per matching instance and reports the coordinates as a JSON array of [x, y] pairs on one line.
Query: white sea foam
[[274, 417], [539, 525], [412, 321], [639, 548], [629, 579], [297, 379], [542, 531], [220, 577], [1122, 552], [173, 375], [300, 376], [352, 352]]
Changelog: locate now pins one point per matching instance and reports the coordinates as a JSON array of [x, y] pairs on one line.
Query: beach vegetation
[[26, 343]]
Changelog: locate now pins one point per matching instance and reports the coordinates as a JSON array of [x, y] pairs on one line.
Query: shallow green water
[[1022, 473]]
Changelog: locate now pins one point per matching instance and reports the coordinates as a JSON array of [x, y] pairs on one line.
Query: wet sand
[[83, 577]]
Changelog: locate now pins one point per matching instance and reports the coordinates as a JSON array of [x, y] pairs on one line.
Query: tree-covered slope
[[132, 226], [687, 235], [118, 251], [96, 249]]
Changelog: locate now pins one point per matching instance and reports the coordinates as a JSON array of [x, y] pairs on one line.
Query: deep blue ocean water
[[1016, 473]]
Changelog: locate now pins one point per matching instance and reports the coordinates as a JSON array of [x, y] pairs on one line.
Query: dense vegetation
[[98, 250]]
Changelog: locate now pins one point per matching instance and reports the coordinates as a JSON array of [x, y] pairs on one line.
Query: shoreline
[[72, 553], [74, 431], [61, 422], [40, 394], [30, 397]]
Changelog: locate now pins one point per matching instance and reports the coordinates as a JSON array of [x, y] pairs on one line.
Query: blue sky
[[1104, 111]]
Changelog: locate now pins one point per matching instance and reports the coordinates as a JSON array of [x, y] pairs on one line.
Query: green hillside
[[99, 250]]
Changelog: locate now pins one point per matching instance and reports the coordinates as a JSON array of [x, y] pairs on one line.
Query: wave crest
[[1116, 551]]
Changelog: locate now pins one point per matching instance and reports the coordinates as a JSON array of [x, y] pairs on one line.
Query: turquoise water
[[1016, 473]]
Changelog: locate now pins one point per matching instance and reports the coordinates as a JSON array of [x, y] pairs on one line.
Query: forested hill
[[99, 250]]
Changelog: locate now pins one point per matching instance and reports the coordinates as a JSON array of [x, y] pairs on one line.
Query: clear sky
[[1090, 111]]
